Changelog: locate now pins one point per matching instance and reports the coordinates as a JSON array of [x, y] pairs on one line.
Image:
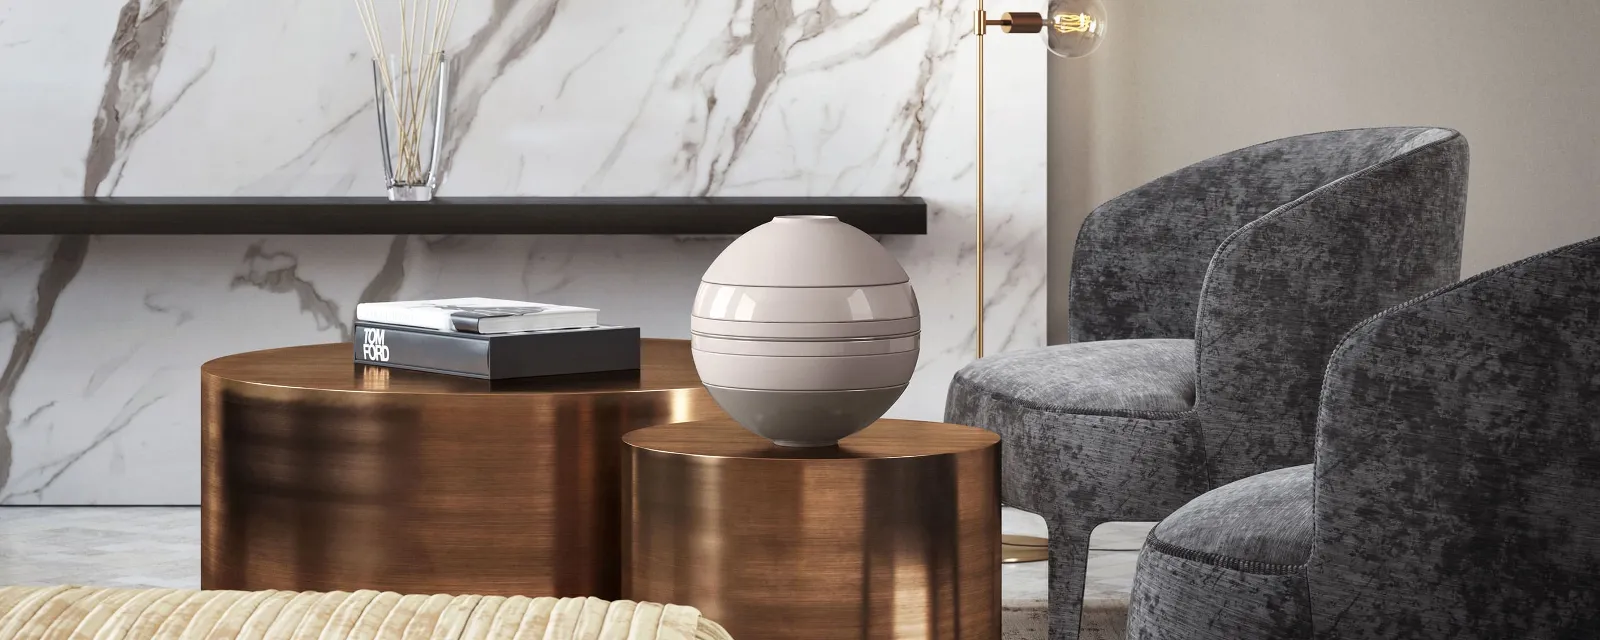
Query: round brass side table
[[894, 533], [319, 474]]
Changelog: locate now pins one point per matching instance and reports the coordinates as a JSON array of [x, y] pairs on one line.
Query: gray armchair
[[1203, 309], [1454, 492]]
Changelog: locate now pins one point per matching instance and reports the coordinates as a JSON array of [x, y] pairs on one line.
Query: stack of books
[[491, 339]]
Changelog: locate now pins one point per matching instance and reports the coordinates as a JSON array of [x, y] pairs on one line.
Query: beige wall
[[1181, 80]]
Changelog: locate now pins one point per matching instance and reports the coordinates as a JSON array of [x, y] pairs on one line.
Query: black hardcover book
[[498, 356]]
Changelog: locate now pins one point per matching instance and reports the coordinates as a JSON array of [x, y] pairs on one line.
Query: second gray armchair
[[1204, 306], [1453, 494]]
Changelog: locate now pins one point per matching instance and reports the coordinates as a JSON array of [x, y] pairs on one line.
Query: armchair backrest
[[1384, 226], [1458, 461], [1140, 259]]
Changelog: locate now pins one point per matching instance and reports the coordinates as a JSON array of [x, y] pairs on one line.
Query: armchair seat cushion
[[1260, 520], [1230, 564], [1106, 377]]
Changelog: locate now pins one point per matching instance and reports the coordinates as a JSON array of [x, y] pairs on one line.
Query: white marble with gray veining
[[101, 337], [100, 546]]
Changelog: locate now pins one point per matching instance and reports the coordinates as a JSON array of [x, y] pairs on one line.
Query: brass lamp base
[[1016, 549]]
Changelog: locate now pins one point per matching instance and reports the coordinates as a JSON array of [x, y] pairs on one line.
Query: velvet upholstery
[[1457, 473], [1261, 520], [1112, 377], [1230, 565], [1180, 596], [1263, 257]]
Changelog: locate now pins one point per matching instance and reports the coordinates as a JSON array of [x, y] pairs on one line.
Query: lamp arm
[[1009, 22]]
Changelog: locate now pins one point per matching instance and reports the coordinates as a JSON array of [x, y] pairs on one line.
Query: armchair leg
[[1069, 561]]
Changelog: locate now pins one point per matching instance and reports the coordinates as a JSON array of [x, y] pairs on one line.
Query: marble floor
[[160, 547]]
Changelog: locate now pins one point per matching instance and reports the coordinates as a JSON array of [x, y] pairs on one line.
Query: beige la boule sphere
[[805, 330]]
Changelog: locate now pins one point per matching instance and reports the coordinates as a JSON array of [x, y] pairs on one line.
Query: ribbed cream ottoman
[[28, 613]]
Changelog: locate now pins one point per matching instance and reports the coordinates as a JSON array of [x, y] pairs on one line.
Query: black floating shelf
[[511, 215]]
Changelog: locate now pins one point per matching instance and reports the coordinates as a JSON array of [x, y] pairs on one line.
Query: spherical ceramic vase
[[805, 330]]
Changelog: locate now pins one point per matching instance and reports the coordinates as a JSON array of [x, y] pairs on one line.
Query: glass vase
[[412, 106]]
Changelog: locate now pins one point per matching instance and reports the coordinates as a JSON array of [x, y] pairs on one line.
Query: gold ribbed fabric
[[93, 613]]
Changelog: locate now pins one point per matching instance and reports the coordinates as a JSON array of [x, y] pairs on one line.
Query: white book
[[478, 315]]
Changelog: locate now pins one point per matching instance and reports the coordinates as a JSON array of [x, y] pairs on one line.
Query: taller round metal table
[[319, 474]]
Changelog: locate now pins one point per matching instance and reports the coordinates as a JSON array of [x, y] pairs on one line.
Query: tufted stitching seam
[[1255, 567], [1346, 342], [1351, 338]]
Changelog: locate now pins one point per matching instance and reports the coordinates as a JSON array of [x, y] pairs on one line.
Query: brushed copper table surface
[[320, 474], [894, 533]]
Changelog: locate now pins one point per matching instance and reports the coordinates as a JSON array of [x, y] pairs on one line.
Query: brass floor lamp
[[1071, 29]]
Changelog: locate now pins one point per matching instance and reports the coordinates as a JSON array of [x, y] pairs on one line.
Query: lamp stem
[[980, 22]]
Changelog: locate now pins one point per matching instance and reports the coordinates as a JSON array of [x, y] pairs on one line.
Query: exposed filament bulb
[[1074, 23]]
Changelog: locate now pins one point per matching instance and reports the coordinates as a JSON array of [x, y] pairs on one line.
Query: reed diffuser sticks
[[410, 76]]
